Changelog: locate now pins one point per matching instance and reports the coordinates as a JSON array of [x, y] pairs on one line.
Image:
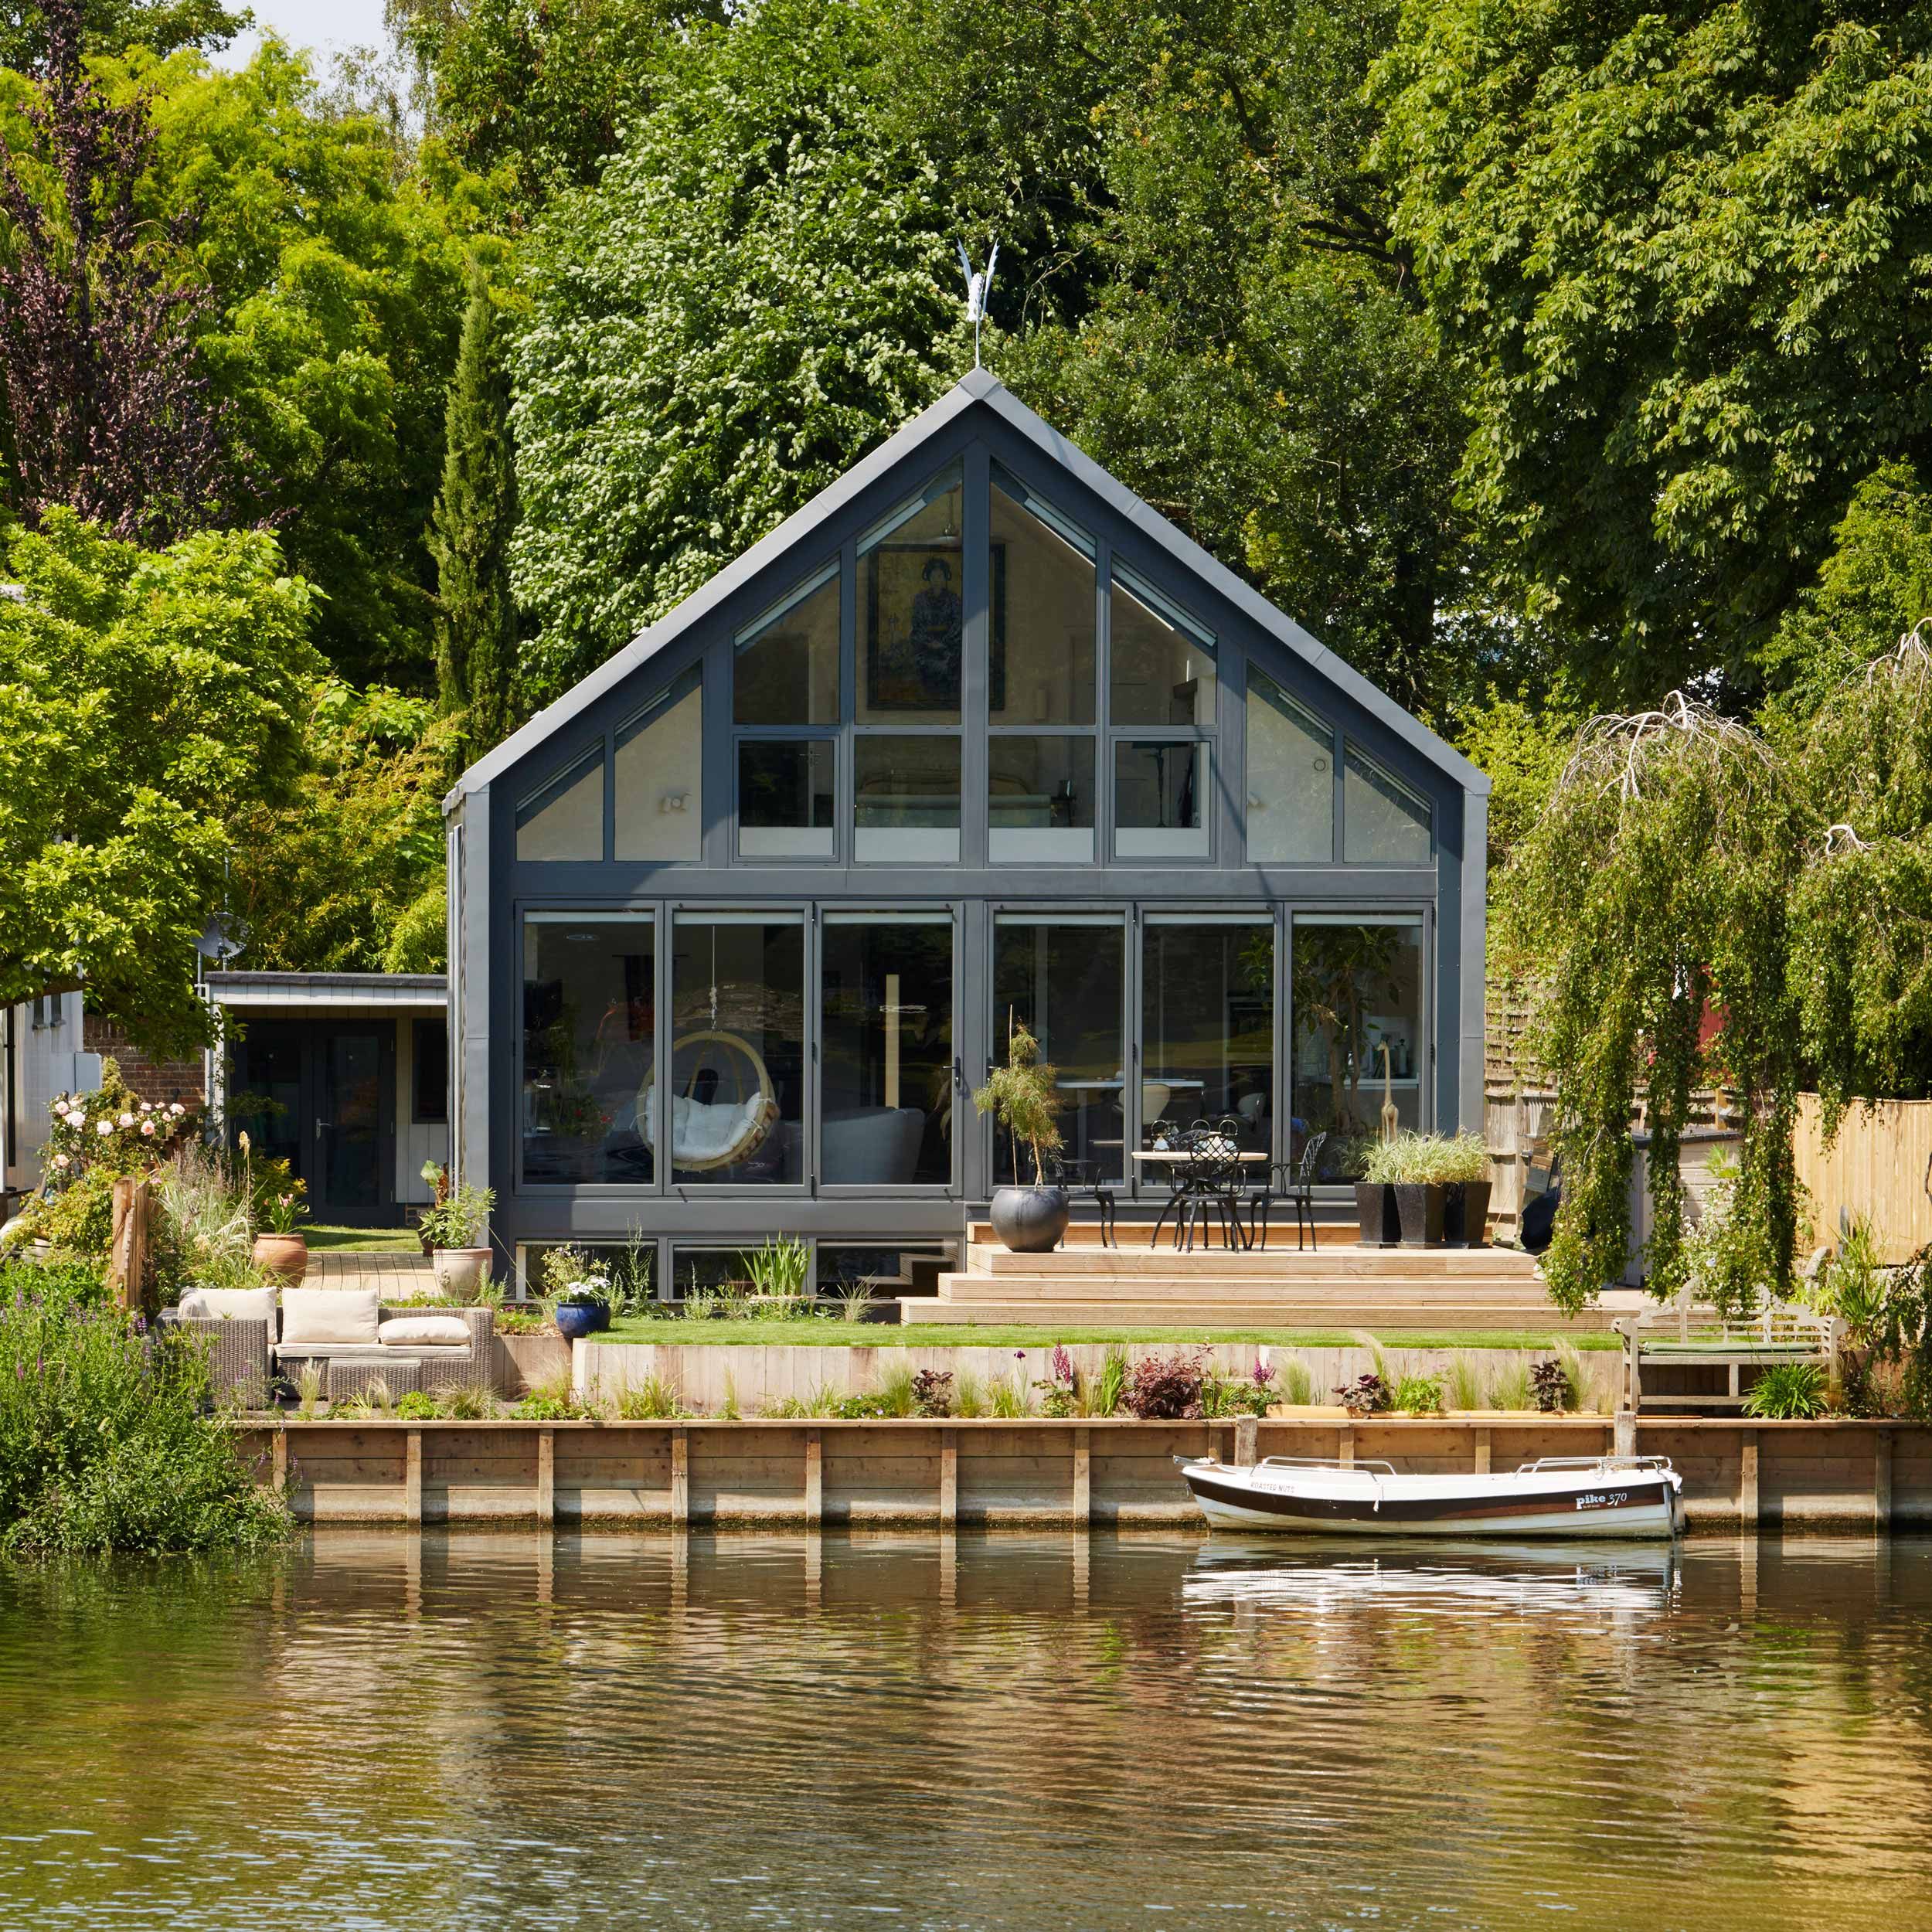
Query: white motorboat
[[1586, 1496]]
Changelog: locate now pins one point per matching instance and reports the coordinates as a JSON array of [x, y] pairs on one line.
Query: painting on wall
[[916, 612]]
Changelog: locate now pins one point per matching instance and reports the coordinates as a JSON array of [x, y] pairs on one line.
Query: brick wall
[[157, 1080]]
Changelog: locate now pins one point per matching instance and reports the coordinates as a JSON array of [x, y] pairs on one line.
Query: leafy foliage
[[1165, 1388], [1678, 251], [756, 290], [1368, 1395], [146, 700], [1787, 1392], [1024, 1096]]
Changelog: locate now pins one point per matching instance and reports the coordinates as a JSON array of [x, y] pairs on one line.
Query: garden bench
[[1697, 1336]]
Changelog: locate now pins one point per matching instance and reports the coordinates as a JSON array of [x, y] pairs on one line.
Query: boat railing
[[1608, 1461], [1322, 1462]]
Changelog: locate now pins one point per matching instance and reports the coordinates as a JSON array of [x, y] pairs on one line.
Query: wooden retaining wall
[[1858, 1476]]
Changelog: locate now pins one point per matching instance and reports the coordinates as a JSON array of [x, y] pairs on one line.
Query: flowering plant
[[1060, 1391], [114, 1130]]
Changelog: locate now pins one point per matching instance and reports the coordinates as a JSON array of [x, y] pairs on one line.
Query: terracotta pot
[[461, 1272], [284, 1256], [1375, 1206]]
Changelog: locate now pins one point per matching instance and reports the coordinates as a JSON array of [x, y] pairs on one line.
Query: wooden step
[[1339, 1294], [1283, 1264], [1286, 1312]]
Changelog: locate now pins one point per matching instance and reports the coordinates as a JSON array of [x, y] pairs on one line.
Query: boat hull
[[1622, 1506]]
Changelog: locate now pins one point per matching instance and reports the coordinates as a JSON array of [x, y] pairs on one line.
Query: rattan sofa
[[246, 1357]]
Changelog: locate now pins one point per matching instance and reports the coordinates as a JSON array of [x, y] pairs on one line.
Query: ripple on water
[[386, 1731]]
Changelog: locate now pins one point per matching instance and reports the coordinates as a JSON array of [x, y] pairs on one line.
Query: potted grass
[[1375, 1196], [450, 1226], [1023, 1097], [1406, 1165], [1463, 1167]]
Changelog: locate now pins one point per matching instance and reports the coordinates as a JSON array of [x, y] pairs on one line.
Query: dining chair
[[1288, 1182]]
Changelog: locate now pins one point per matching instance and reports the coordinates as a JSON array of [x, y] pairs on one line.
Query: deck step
[[1284, 1263], [1283, 1312]]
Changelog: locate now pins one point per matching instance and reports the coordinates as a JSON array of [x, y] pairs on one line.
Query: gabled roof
[[978, 386]]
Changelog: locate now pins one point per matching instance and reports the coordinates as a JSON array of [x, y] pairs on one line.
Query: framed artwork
[[915, 626]]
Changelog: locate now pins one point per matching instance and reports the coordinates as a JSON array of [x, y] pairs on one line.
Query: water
[[472, 1732]]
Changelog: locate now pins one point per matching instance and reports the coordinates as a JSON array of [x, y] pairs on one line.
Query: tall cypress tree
[[469, 534]]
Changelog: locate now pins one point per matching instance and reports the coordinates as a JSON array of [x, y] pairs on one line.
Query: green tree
[[148, 699], [1679, 251], [322, 879], [112, 26], [470, 536], [539, 95], [756, 290]]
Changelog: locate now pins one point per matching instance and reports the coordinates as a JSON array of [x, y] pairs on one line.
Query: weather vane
[[977, 289]]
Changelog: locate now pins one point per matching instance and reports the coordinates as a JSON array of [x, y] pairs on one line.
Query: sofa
[[259, 1336]]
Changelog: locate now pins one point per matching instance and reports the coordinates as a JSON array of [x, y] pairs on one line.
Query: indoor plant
[[1023, 1097], [1462, 1165], [450, 1226]]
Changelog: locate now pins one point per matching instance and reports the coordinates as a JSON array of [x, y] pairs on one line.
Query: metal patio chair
[[1288, 1182]]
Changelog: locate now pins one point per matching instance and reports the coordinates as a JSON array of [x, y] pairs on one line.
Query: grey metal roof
[[978, 386], [237, 988]]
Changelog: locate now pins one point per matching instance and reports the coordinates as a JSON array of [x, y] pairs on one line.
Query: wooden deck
[[1340, 1285]]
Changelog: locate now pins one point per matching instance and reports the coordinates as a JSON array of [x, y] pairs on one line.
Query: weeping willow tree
[[1651, 903], [1861, 916]]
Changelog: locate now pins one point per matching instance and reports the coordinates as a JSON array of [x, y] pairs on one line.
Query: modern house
[[345, 1075], [976, 737]]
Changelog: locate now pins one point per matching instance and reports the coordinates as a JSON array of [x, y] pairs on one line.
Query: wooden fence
[[1879, 1166]]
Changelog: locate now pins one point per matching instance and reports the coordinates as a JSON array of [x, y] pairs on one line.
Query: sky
[[327, 25]]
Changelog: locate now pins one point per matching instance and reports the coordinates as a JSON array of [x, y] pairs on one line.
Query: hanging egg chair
[[710, 1133]]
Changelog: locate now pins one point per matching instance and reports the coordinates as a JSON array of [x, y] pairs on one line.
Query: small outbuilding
[[975, 738]]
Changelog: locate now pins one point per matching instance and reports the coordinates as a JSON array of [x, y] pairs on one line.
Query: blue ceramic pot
[[576, 1319]]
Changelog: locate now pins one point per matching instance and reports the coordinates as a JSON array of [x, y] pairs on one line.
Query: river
[[435, 1732]]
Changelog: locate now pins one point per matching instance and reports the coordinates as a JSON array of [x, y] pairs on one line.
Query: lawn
[[950, 1334], [327, 1240]]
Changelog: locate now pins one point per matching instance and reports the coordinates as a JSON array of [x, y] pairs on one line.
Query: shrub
[[1169, 1390], [1550, 1387], [1253, 1394], [933, 1393], [106, 1442], [1368, 1395], [416, 1406], [1787, 1392], [1418, 1395]]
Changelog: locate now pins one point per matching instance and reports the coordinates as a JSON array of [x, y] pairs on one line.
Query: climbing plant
[[1653, 893]]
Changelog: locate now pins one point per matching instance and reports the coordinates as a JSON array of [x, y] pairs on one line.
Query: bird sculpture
[[979, 286]]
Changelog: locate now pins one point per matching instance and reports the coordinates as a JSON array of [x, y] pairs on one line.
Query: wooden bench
[[1693, 1336]]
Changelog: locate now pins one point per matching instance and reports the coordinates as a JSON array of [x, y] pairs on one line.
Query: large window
[[1040, 799], [1291, 793], [737, 1078], [1043, 612], [787, 790], [1162, 661], [906, 792], [912, 604], [1207, 1024], [589, 1004], [785, 670], [659, 777], [887, 1086], [1064, 980], [564, 819], [1355, 988], [1160, 798], [1383, 822]]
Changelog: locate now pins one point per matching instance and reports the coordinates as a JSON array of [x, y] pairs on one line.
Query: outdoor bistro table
[[1179, 1156]]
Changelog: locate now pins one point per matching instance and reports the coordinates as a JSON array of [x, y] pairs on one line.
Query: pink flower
[[126, 1119], [148, 1128], [176, 1108], [76, 1119], [103, 1129], [60, 1160]]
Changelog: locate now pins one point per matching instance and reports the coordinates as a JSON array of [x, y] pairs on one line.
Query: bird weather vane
[[979, 286]]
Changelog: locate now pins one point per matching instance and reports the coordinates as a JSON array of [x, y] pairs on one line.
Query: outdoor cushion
[[345, 1315], [424, 1331], [703, 1130], [233, 1304]]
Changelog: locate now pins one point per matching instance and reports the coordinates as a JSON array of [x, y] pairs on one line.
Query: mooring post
[[546, 1476], [413, 1478], [1623, 1438], [1482, 1451], [278, 1460], [814, 1478], [948, 1478], [1345, 1452], [1882, 1481], [680, 1475], [1748, 1480], [1083, 1477], [1248, 1430]]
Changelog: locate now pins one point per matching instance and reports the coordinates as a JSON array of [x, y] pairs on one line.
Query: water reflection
[[387, 1730]]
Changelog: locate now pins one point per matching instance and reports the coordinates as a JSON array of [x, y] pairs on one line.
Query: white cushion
[[424, 1331], [703, 1130], [231, 1305], [346, 1315]]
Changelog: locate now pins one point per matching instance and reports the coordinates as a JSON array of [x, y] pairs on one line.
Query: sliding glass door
[[1207, 1024]]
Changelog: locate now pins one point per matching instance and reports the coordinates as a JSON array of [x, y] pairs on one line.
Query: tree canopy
[[148, 699]]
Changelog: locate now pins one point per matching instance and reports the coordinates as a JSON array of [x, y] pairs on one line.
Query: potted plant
[[281, 1248], [1463, 1167], [577, 1292], [450, 1226], [1023, 1097], [1375, 1195], [1406, 1166]]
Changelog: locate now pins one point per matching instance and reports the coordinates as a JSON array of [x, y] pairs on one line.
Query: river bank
[[1864, 1477]]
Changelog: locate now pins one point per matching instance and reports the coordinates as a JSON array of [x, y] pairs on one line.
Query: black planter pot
[[1418, 1206], [1029, 1221], [1465, 1213], [1375, 1206]]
